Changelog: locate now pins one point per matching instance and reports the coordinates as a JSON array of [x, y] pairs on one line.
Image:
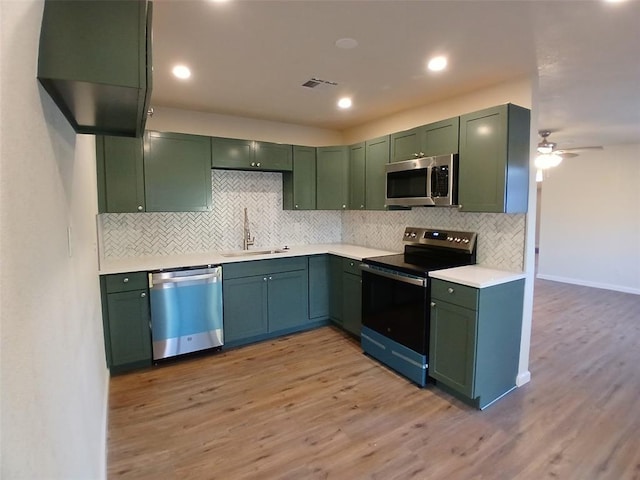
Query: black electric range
[[396, 292]]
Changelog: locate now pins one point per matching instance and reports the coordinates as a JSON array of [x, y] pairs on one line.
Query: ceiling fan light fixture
[[547, 160], [545, 149]]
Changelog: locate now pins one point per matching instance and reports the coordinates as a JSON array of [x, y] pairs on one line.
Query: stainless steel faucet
[[246, 233]]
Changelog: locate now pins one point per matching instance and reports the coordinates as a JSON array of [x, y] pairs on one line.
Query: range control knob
[[465, 240], [413, 235], [457, 240]]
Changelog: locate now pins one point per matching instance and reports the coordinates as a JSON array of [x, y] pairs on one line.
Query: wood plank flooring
[[312, 406]]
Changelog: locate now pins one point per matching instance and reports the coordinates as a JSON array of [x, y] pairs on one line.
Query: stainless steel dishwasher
[[186, 310]]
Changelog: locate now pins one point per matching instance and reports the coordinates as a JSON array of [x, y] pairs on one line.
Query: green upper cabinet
[[438, 138], [273, 156], [357, 157], [377, 156], [177, 172], [494, 160], [95, 63], [405, 145], [120, 173], [332, 178], [237, 154], [299, 185]]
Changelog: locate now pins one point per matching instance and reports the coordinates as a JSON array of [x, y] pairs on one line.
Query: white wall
[[166, 119], [54, 380], [590, 220]]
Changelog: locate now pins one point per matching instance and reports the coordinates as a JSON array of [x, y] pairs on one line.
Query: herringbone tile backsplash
[[143, 234], [500, 237]]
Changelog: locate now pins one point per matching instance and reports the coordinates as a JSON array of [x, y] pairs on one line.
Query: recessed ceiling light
[[347, 43], [181, 72], [437, 64], [344, 102]]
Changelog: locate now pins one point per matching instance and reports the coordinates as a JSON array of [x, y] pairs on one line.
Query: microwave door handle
[[429, 180]]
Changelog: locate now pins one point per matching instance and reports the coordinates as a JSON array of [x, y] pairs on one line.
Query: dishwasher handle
[[168, 278]]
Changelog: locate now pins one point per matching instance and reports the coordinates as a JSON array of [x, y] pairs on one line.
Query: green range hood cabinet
[[95, 63]]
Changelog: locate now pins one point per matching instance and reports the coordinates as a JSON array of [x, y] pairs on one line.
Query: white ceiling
[[250, 58]]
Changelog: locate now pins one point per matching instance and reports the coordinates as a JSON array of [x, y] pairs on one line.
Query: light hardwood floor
[[312, 406]]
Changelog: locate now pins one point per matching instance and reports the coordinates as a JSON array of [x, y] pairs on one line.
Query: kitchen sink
[[244, 253]]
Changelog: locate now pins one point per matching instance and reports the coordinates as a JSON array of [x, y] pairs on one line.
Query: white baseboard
[[105, 426], [523, 378], [584, 283]]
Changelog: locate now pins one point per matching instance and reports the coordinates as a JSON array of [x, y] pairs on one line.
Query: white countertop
[[476, 276], [142, 264]]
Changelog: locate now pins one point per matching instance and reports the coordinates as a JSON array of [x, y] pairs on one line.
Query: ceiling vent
[[316, 82]]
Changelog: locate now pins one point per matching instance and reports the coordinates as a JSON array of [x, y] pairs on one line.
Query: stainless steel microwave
[[424, 181]]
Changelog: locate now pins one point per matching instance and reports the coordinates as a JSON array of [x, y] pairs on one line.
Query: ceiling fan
[[549, 156]]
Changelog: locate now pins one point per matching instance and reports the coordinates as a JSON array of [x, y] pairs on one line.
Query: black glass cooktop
[[420, 261]]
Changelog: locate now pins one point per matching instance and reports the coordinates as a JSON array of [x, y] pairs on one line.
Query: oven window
[[396, 310], [407, 184]]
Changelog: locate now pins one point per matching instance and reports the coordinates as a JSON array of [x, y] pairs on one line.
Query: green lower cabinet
[[345, 293], [474, 344], [264, 298], [177, 172], [126, 317], [319, 280], [335, 288], [245, 307], [352, 303]]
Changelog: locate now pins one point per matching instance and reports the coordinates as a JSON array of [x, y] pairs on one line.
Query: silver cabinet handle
[[450, 290], [258, 164], [433, 304], [125, 280], [264, 279], [344, 206], [140, 208], [143, 294], [270, 278], [415, 155], [296, 205], [253, 164], [421, 154]]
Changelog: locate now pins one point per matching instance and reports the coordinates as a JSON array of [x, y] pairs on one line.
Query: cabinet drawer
[[351, 266], [455, 293], [263, 267], [124, 282]]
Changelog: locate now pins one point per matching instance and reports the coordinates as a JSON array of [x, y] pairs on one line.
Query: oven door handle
[[420, 282]]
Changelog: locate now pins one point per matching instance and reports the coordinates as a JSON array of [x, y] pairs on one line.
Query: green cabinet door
[[120, 173], [177, 172], [128, 329], [440, 138], [238, 154], [357, 176], [231, 153], [452, 346], [494, 160], [352, 303], [288, 299], [319, 287], [245, 307], [299, 185], [335, 288], [377, 156], [273, 156], [405, 145], [95, 62], [332, 178]]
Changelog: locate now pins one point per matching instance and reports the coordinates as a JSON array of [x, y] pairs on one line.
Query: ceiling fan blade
[[598, 147], [564, 154]]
